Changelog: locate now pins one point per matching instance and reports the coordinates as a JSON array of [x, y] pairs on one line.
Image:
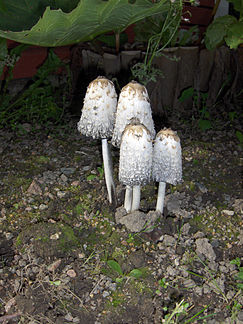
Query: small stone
[[34, 188], [185, 229], [105, 294], [169, 240], [54, 265], [205, 248], [71, 273], [228, 212], [61, 194], [43, 207], [68, 171], [189, 283], [55, 236], [134, 221], [198, 235], [64, 178], [75, 183], [69, 317], [8, 236]]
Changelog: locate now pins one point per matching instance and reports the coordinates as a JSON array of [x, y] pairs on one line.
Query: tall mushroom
[[167, 163], [133, 104], [133, 107], [135, 163], [97, 121]]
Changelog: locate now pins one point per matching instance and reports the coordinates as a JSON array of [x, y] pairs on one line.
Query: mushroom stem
[[110, 185], [161, 197], [136, 193], [128, 199]]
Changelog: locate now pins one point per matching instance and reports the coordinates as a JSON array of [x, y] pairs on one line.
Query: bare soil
[[57, 232]]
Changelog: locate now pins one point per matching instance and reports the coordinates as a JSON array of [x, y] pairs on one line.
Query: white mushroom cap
[[167, 163], [133, 103], [98, 113], [135, 156]]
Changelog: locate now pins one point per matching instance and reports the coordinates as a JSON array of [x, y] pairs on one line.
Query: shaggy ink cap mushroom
[[167, 162], [133, 103], [99, 108], [135, 156]]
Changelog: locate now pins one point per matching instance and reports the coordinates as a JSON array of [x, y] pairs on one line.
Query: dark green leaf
[[217, 31], [234, 35], [136, 273], [86, 21], [186, 94], [204, 124], [115, 266]]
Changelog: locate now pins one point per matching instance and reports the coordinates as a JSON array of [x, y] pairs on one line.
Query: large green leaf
[[19, 15], [235, 35], [217, 31], [86, 21]]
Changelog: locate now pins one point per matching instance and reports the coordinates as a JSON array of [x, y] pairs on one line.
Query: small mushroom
[[97, 121], [133, 103], [167, 163], [135, 163]]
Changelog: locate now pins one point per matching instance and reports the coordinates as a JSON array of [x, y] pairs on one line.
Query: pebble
[[228, 212], [43, 207], [61, 194]]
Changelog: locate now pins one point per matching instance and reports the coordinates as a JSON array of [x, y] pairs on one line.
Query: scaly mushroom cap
[[133, 104], [98, 113], [135, 156], [167, 164]]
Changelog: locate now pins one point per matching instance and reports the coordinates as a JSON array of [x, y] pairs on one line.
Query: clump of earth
[[68, 256]]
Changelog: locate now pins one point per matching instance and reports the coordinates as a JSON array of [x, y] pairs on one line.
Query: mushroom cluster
[[129, 124]]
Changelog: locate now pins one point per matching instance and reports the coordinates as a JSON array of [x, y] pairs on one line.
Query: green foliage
[[115, 266], [87, 20], [239, 135], [226, 29], [37, 104], [162, 36], [239, 276], [199, 102]]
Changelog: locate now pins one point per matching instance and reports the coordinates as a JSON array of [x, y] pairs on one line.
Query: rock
[[152, 217], [68, 171], [43, 207], [238, 205], [173, 204], [54, 265], [134, 221], [228, 212], [120, 213], [34, 188], [169, 240], [185, 229], [71, 273], [205, 248], [201, 187], [64, 178]]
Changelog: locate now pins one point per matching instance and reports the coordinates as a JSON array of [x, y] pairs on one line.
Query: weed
[[200, 103], [99, 174], [37, 104], [173, 317], [115, 266], [239, 276]]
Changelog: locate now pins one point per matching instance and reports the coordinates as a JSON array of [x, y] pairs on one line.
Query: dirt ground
[[64, 258]]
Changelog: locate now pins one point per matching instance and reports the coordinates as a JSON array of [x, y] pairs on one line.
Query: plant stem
[[108, 171], [128, 199], [136, 193], [161, 197]]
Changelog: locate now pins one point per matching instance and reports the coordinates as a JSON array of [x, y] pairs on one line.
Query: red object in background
[[198, 15], [32, 58]]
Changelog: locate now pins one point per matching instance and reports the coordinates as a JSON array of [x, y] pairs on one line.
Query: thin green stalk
[[194, 316]]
